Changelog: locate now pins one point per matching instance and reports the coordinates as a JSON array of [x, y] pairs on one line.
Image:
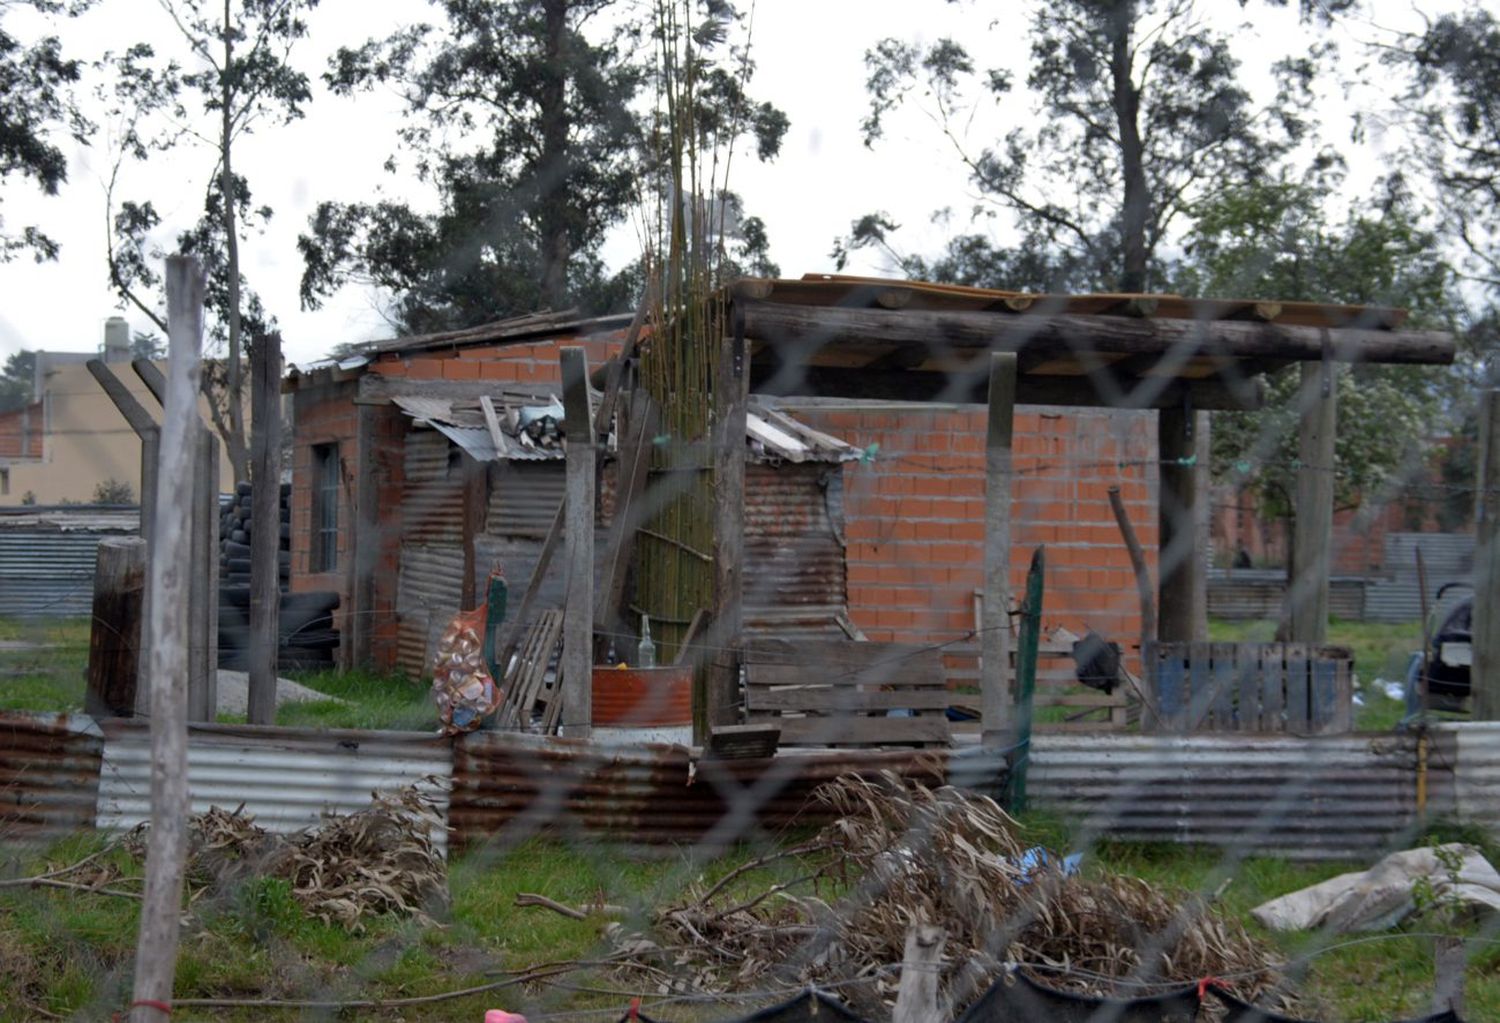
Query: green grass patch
[[46, 673], [362, 699]]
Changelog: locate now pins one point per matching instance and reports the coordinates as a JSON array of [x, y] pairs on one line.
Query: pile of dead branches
[[900, 854], [379, 860]]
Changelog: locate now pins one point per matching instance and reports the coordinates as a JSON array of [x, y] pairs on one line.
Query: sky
[[810, 56]]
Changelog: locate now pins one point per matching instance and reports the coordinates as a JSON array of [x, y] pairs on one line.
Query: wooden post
[[1202, 520], [1026, 658], [115, 635], [1177, 497], [1307, 597], [367, 540], [631, 468], [161, 904], [265, 526], [1450, 961], [203, 582], [999, 484], [1485, 674], [916, 998], [150, 458], [731, 407], [578, 608]]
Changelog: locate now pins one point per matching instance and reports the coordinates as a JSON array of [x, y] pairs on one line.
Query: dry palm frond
[[901, 854], [381, 859]]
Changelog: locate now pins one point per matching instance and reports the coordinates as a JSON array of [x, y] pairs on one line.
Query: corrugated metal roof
[[82, 519], [770, 434], [1336, 797], [49, 775], [516, 329], [286, 778]]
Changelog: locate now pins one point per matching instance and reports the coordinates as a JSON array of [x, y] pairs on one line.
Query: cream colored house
[[85, 441]]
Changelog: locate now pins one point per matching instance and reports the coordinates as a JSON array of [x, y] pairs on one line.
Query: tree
[[18, 381], [1141, 115], [1275, 241], [35, 103], [549, 97], [243, 78], [1455, 103]]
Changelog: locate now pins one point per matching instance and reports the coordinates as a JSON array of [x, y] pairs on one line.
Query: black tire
[[243, 488]]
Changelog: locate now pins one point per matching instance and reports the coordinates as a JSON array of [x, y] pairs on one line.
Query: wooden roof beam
[[777, 325], [971, 388]]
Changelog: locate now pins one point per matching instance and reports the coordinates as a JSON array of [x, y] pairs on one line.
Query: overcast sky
[[810, 55]]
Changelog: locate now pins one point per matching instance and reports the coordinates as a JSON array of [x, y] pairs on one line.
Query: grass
[[68, 953], [47, 675]]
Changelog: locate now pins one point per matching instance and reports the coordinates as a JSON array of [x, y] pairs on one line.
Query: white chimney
[[116, 339]]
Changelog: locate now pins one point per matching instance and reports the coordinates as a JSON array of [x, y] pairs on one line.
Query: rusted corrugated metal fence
[[1334, 797]]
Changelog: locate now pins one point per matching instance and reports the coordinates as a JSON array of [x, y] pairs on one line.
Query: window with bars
[[325, 507]]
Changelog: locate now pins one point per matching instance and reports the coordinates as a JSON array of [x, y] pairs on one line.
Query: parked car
[[1449, 658]]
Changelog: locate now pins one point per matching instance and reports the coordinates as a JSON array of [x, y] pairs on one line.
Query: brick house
[[910, 520]]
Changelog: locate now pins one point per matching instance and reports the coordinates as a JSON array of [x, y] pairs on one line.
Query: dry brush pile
[[900, 854], [378, 860]]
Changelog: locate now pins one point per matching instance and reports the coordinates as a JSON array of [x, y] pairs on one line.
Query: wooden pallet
[[531, 702]]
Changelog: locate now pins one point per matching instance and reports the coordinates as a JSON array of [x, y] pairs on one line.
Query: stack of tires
[[234, 538], [307, 638]]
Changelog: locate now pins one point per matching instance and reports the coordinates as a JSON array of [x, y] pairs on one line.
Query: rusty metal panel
[[1336, 797], [432, 496], [286, 778], [794, 557], [509, 786], [430, 585], [49, 775]]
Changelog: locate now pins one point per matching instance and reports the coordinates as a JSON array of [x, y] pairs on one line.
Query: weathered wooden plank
[[1247, 690], [115, 633], [730, 412], [1312, 546], [1223, 684], [1296, 689], [1065, 334], [861, 731], [833, 673], [814, 652], [1485, 672], [1322, 693], [996, 699], [1273, 688], [578, 623], [843, 699]]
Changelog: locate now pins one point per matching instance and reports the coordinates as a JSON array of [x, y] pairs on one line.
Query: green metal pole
[[1026, 657]]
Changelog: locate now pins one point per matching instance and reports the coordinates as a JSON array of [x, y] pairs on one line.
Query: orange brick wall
[[914, 511], [914, 515]]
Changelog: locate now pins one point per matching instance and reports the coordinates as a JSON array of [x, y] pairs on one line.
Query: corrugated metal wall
[[287, 778], [49, 775], [1340, 797], [47, 573], [1249, 593], [1465, 759], [432, 561], [795, 567]]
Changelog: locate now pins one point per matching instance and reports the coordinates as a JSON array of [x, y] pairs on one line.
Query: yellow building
[[84, 440]]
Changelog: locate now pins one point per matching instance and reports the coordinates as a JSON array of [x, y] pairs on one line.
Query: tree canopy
[[524, 116]]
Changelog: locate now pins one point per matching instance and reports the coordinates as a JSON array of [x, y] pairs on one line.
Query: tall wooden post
[[265, 526], [166, 843], [1485, 681], [1202, 520], [578, 608], [1312, 537], [203, 584], [731, 401], [115, 635], [1177, 499], [367, 539], [999, 484]]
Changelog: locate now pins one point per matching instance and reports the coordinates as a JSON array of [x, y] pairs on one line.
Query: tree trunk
[[239, 454], [553, 170], [1126, 100]]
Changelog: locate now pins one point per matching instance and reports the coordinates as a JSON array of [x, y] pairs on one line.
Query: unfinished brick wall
[[914, 516]]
